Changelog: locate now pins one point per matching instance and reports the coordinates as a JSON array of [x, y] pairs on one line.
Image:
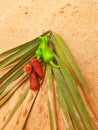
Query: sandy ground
[[75, 20]]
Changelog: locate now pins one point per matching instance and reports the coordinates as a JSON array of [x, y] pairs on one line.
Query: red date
[[34, 81], [35, 71], [28, 68], [37, 67]]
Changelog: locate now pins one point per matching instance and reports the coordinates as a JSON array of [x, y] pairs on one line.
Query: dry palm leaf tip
[[49, 57]]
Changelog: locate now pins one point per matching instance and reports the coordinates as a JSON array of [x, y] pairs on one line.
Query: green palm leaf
[[71, 61], [34, 95], [72, 88], [16, 106], [17, 66], [16, 49], [7, 93], [65, 101], [16, 55], [51, 100]]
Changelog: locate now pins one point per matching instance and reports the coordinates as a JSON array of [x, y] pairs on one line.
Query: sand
[[76, 21]]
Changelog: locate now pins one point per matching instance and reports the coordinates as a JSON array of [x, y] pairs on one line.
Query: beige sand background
[[75, 20]]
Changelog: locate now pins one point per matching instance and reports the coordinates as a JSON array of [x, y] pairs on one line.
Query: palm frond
[[16, 67], [11, 79], [51, 100], [16, 55], [16, 106], [67, 77], [66, 102], [8, 92], [58, 41], [29, 107], [16, 49]]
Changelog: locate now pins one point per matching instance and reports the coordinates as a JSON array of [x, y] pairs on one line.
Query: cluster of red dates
[[35, 71]]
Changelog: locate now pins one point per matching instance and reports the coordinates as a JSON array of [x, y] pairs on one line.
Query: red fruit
[[34, 81], [37, 67], [28, 68]]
